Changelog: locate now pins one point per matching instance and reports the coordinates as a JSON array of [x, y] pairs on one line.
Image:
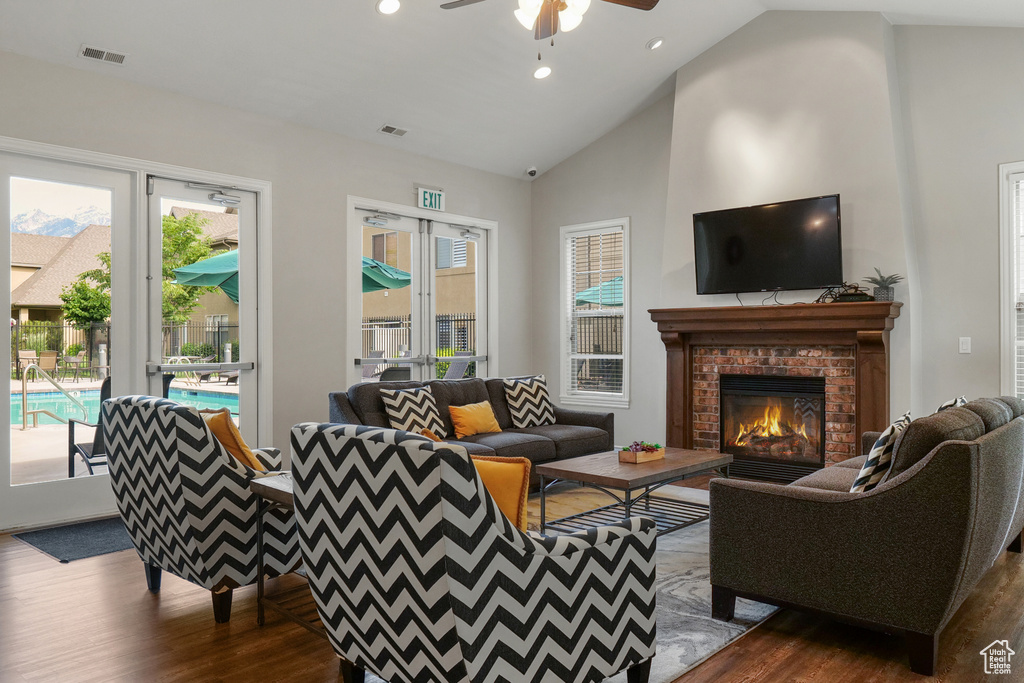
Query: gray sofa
[[574, 433], [900, 558]]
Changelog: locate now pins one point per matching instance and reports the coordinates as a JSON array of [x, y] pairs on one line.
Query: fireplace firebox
[[774, 426]]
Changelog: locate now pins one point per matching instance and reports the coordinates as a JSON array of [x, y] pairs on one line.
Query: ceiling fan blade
[[547, 21], [635, 4], [462, 3]]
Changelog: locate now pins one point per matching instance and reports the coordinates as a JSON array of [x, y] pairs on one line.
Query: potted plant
[[883, 285]]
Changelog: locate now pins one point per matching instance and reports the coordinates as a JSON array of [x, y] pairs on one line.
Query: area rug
[[687, 635], [78, 541]]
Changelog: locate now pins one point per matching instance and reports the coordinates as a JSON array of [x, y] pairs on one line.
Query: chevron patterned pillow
[[952, 403], [874, 469], [413, 410], [528, 402]]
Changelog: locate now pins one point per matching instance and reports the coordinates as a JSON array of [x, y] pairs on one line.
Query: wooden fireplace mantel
[[863, 325]]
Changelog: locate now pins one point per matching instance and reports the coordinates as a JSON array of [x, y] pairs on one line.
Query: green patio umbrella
[[605, 294], [377, 276], [217, 271]]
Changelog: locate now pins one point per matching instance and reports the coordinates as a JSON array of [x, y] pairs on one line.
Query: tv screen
[[788, 245]]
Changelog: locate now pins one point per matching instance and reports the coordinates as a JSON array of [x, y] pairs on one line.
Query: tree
[[87, 300]]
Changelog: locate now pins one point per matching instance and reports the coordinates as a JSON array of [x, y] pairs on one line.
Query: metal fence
[[455, 332], [190, 339]]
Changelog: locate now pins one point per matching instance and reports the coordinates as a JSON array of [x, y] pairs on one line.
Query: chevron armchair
[[419, 578], [186, 502]]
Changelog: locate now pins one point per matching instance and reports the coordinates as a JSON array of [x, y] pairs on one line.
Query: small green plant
[[73, 350], [883, 281], [199, 350]]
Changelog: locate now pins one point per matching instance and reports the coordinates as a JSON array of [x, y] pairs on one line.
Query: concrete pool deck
[[41, 453]]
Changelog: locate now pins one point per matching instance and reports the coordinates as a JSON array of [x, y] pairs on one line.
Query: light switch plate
[[965, 344]]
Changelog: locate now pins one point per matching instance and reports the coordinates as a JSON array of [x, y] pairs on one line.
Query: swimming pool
[[58, 404]]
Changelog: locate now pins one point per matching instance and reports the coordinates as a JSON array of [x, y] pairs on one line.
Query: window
[[385, 248], [451, 253], [595, 277], [1012, 300]]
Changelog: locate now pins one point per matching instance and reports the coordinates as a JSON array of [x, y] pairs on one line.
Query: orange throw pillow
[[508, 482], [475, 418], [430, 435], [223, 427]]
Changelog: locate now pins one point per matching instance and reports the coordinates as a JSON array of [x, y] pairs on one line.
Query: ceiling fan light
[[568, 20], [388, 6], [531, 6], [527, 18], [542, 72]]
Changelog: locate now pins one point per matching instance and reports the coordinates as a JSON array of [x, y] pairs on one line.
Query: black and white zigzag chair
[[419, 578], [186, 502]]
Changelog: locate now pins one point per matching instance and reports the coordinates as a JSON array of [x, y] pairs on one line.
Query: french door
[[64, 220], [202, 314], [423, 304], [103, 291]]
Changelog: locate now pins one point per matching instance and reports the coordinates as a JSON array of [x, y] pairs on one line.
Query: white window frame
[[1009, 277], [592, 398]]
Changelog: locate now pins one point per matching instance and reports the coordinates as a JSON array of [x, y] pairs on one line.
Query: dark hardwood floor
[[94, 620]]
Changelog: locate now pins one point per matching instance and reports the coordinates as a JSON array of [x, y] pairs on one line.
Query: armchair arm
[[892, 556], [269, 457], [341, 411], [584, 418]]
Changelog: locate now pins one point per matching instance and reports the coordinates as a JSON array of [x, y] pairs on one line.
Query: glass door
[[68, 239], [391, 321], [457, 301], [202, 297]]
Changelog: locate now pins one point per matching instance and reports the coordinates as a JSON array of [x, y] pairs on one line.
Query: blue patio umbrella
[[605, 294]]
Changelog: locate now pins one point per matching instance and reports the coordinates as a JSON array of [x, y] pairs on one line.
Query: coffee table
[[636, 482]]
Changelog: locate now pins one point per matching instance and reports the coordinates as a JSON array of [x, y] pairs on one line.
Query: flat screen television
[[786, 245]]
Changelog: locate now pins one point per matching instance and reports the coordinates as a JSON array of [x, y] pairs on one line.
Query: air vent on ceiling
[[108, 56], [392, 130]]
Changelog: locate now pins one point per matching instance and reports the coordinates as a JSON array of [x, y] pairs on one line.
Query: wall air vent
[[392, 130], [108, 56]]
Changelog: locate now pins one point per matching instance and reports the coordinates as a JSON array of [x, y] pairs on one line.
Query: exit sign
[[430, 199]]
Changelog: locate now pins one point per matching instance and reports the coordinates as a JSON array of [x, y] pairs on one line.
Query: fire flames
[[770, 425]]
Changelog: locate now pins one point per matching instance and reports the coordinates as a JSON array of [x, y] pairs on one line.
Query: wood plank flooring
[[94, 620]]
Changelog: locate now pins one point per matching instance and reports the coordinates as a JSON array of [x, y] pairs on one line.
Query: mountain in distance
[[38, 222]]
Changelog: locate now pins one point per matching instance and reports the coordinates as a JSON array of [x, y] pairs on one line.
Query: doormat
[[78, 541]]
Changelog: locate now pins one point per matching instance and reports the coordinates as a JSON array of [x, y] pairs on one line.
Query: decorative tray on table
[[641, 451]]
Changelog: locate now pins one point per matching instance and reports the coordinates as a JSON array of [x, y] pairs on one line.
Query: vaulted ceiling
[[460, 81]]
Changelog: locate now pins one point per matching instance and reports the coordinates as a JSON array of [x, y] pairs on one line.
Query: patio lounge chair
[[95, 454], [457, 368], [205, 376], [369, 370]]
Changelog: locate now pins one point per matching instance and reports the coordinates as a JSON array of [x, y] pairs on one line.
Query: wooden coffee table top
[[604, 469]]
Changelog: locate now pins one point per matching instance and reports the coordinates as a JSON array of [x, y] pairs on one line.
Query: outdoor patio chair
[[48, 362], [205, 376], [396, 374], [457, 368], [186, 501], [95, 454], [418, 576], [71, 364], [230, 377], [26, 358], [369, 371]]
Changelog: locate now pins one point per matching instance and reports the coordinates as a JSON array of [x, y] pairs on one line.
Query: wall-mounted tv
[[786, 245]]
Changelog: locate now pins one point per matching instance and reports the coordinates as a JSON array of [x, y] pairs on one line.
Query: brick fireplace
[[845, 345]]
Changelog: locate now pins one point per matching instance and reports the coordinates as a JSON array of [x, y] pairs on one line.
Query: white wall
[[312, 173], [964, 109], [625, 173]]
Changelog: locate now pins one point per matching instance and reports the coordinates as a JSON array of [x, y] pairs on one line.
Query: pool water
[[58, 404]]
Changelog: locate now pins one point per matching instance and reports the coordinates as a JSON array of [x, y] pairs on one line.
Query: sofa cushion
[[571, 440], [830, 479], [876, 465], [993, 412], [474, 448], [1015, 404], [496, 392], [528, 402], [513, 444], [925, 433], [369, 406], [413, 410], [456, 392]]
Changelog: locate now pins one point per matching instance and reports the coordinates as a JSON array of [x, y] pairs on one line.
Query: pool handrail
[[25, 412]]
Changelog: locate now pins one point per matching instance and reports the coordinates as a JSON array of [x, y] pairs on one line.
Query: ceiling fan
[[545, 17]]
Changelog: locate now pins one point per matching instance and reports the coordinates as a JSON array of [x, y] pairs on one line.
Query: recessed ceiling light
[[388, 6], [655, 43], [542, 72]]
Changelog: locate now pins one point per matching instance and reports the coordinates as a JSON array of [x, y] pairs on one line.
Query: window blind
[[1017, 197]]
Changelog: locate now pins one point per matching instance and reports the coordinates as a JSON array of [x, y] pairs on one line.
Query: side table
[[295, 603]]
